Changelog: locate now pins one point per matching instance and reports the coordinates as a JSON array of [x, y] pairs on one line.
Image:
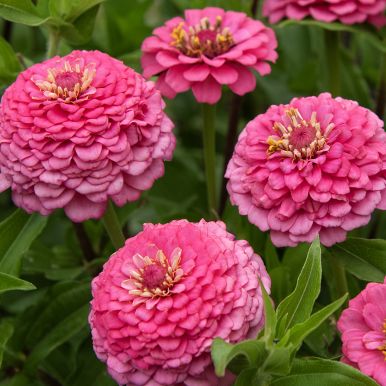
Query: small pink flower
[[79, 130], [363, 328], [209, 48], [162, 299], [315, 166], [345, 11]]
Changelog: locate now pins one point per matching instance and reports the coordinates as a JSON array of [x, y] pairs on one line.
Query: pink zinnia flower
[[363, 328], [79, 130], [345, 11], [317, 165], [209, 48], [162, 299]]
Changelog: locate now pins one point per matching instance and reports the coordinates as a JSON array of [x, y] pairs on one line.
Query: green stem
[[209, 140], [381, 93], [53, 43], [332, 44], [340, 279], [113, 227]]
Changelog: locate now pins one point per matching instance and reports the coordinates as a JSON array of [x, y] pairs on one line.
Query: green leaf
[[80, 30], [57, 336], [223, 353], [17, 380], [69, 298], [21, 11], [17, 232], [299, 304], [323, 372], [367, 32], [9, 283], [278, 361], [6, 331], [299, 332], [270, 317], [9, 65], [89, 370], [80, 7], [365, 259], [247, 377]]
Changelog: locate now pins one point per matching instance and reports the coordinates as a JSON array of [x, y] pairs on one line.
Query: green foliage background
[[44, 335]]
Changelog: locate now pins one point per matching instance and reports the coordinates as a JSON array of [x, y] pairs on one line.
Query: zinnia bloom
[[162, 299], [317, 165], [79, 130], [363, 328], [345, 11], [209, 48]]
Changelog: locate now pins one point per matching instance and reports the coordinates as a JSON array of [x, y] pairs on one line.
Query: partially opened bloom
[[363, 328], [79, 130], [314, 166], [345, 11], [208, 48], [162, 299]]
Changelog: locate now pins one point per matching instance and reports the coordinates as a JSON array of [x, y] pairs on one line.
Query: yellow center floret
[[383, 346], [157, 275], [66, 82], [301, 139], [203, 39]]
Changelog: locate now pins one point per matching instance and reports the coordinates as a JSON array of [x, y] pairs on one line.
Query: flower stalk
[[209, 141], [381, 93], [332, 44], [53, 43], [113, 226]]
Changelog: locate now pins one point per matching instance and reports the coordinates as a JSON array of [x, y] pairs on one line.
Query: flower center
[[67, 82], [203, 39], [383, 346], [301, 139], [154, 277]]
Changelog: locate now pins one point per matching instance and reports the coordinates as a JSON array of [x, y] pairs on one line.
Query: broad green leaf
[[270, 317], [80, 7], [67, 301], [57, 336], [248, 377], [59, 8], [9, 283], [294, 258], [365, 259], [299, 332], [6, 331], [21, 11], [79, 31], [278, 361], [89, 371], [17, 232], [18, 380], [9, 65], [323, 372], [223, 352], [299, 304]]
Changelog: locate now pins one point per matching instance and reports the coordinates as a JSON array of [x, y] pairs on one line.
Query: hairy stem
[[53, 43], [381, 94], [233, 122], [113, 227], [209, 141], [84, 242]]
